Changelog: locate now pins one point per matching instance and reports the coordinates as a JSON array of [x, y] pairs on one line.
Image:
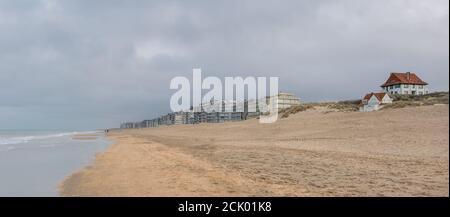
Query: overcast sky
[[91, 64]]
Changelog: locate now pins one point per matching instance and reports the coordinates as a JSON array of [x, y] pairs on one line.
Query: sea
[[34, 162]]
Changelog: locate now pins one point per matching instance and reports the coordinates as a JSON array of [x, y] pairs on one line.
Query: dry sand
[[398, 152]]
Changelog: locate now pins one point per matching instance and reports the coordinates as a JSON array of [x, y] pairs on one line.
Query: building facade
[[405, 84], [374, 101], [217, 112], [287, 100]]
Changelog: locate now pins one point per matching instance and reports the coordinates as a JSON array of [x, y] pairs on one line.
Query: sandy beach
[[395, 152]]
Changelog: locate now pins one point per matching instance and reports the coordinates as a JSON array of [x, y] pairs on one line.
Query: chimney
[[408, 75]]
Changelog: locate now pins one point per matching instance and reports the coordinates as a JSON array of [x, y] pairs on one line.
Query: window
[[391, 87], [397, 86], [420, 86], [405, 85], [413, 86]]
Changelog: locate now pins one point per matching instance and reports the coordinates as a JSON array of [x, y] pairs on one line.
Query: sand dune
[[398, 152]]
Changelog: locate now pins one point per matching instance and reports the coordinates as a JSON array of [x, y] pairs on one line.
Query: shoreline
[[33, 162], [311, 153], [85, 137], [185, 170]]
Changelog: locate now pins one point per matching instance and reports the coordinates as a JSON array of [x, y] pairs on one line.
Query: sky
[[84, 64]]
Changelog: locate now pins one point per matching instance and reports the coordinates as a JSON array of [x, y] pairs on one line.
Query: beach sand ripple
[[398, 152]]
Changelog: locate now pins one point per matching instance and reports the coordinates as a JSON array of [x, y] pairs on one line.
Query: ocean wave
[[15, 140], [26, 139]]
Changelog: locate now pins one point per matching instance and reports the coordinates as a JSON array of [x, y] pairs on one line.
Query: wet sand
[[86, 136], [398, 152]]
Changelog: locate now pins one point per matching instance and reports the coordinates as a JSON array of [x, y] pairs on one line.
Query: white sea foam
[[50, 154], [26, 139]]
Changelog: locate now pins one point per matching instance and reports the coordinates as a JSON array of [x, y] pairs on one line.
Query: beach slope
[[395, 152]]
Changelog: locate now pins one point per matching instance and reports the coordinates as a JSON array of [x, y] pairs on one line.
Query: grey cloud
[[89, 64]]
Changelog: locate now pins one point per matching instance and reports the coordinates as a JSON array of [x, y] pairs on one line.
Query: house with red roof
[[405, 83], [374, 101]]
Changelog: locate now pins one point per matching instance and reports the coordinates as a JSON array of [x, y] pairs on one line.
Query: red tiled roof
[[403, 78], [379, 96]]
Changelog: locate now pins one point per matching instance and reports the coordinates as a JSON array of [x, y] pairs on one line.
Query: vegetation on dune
[[341, 106], [435, 98], [295, 109], [345, 106], [401, 101]]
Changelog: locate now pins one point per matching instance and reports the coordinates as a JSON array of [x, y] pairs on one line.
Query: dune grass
[[402, 101]]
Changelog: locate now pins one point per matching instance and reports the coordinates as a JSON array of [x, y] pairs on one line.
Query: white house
[[374, 101], [405, 83]]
